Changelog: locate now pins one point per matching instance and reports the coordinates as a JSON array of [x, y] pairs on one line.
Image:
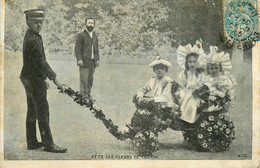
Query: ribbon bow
[[216, 58], [183, 51]]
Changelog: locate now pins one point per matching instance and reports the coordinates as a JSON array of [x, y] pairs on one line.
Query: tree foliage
[[133, 28], [125, 28]]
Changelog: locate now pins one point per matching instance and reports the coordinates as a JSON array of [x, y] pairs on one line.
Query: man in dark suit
[[33, 76], [87, 54]]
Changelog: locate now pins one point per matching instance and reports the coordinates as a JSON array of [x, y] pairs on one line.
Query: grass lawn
[[114, 85]]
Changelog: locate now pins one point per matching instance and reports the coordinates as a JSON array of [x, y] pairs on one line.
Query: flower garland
[[98, 113], [144, 135], [203, 94], [150, 119]]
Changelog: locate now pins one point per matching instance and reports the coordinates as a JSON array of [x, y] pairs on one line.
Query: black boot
[[36, 145], [54, 148]]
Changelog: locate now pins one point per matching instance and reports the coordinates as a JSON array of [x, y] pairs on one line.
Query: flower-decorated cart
[[213, 129]]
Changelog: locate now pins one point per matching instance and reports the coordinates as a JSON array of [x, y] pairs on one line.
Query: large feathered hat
[[183, 51], [215, 57]]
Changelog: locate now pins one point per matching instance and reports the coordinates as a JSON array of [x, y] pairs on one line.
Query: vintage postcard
[[129, 83]]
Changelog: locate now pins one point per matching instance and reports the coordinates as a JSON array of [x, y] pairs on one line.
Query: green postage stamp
[[240, 21]]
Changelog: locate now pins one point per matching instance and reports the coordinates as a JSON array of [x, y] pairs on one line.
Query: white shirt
[[160, 90], [91, 35]]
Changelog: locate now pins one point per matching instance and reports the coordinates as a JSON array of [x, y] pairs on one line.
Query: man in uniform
[[87, 54], [33, 76]]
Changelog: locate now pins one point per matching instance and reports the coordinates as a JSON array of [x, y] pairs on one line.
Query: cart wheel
[[145, 143], [215, 132]]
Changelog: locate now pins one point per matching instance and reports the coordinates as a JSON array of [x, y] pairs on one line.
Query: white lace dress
[[219, 85], [189, 104]]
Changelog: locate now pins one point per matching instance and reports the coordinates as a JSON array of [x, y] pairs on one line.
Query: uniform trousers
[[37, 109]]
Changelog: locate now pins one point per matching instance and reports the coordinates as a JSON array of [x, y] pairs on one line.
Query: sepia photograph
[[130, 80]]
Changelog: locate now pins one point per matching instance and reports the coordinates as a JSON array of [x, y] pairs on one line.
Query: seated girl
[[220, 84], [158, 88], [190, 78], [156, 92]]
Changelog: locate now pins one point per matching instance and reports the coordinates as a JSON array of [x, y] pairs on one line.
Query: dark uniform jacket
[[83, 48], [35, 65]]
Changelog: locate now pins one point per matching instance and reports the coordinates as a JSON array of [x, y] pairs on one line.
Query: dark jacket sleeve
[[97, 50], [78, 47], [40, 62]]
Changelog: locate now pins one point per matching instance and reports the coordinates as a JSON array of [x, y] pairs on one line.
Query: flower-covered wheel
[[215, 132], [145, 143]]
